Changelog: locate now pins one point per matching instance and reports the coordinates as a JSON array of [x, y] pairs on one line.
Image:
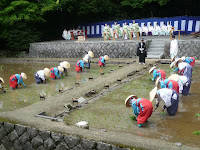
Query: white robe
[[150, 28], [145, 30], [164, 30], [169, 28], [41, 74], [181, 82], [157, 30], [64, 35], [173, 48]]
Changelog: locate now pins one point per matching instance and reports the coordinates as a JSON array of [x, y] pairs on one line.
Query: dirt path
[[26, 116]]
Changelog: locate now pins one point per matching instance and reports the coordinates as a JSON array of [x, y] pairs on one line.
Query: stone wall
[[114, 49], [18, 137], [185, 48]]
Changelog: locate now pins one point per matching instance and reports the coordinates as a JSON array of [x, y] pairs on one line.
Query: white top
[[41, 74], [87, 57], [157, 28], [181, 82], [174, 47], [165, 94], [169, 27], [0, 86], [150, 28], [164, 28], [145, 29], [182, 65]]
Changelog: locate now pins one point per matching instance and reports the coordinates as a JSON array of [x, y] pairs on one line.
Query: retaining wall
[[114, 49], [185, 48], [18, 137]]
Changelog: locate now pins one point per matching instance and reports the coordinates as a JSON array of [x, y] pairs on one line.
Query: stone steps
[[156, 49]]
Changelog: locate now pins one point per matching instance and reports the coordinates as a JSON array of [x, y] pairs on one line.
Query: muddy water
[[110, 113], [22, 96]]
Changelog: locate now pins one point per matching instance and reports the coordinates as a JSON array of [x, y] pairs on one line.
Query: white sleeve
[[41, 74]]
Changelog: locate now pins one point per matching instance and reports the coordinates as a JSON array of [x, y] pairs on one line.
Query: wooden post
[[131, 35], [179, 34], [170, 35], [138, 37], [72, 34], [86, 34], [113, 36], [104, 35]]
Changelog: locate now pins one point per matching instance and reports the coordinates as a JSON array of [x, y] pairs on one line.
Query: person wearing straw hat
[[102, 60], [141, 52], [56, 72], [167, 83], [65, 66], [157, 73], [189, 60], [41, 75], [87, 59], [1, 87], [17, 79], [173, 48], [142, 108], [79, 66], [170, 98]]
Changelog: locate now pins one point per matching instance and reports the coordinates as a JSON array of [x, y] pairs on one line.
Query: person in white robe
[[173, 48], [169, 28], [150, 28], [145, 30], [164, 29], [64, 35], [157, 29]]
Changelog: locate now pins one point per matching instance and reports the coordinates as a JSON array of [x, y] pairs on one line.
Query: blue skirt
[[38, 79], [174, 105]]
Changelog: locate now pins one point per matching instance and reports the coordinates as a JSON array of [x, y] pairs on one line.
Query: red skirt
[[147, 111], [52, 73], [100, 63], [163, 75], [13, 83], [78, 68], [175, 85]]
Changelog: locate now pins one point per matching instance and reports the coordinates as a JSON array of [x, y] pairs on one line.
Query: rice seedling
[[197, 115], [1, 67], [196, 132]]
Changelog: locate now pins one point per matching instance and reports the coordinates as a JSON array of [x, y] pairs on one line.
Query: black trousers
[[142, 58]]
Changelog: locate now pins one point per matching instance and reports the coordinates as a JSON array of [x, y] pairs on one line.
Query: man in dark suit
[[141, 52]]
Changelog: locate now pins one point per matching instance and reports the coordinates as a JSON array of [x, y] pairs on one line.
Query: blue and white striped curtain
[[185, 24]]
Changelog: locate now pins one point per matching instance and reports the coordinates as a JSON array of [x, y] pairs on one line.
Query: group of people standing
[[135, 30], [166, 90], [54, 72]]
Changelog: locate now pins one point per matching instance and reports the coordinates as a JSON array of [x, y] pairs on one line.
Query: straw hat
[[157, 81], [91, 54], [106, 57], [152, 94], [60, 69], [1, 79], [47, 72], [151, 70], [85, 60], [174, 77], [65, 64], [24, 77], [172, 64], [128, 98], [178, 61]]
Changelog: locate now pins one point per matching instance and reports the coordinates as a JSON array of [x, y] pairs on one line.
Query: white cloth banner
[[97, 29], [183, 22], [154, 24], [142, 24], [88, 30], [102, 28], [190, 23], [175, 25], [92, 30], [161, 24], [197, 27]]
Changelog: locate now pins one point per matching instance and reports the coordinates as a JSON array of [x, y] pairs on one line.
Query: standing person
[[157, 73], [102, 60], [173, 48], [56, 72], [106, 32], [79, 66], [170, 98], [1, 87], [41, 75], [87, 59], [126, 31], [141, 52], [167, 83], [17, 79], [65, 66], [189, 60], [142, 108], [117, 30]]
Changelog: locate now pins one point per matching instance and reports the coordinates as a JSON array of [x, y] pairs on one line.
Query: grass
[[22, 97], [197, 115], [109, 112], [196, 132]]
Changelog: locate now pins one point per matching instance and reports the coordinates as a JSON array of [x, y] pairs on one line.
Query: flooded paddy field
[[110, 114], [24, 96]]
